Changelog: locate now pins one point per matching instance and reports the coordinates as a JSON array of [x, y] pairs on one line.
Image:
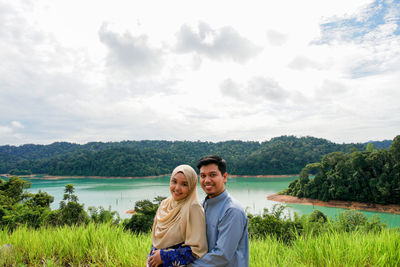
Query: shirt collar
[[214, 200]]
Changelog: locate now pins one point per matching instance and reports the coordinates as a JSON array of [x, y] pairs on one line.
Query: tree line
[[280, 155], [371, 176]]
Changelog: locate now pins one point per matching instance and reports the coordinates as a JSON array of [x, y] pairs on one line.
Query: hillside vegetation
[[280, 155], [371, 176]]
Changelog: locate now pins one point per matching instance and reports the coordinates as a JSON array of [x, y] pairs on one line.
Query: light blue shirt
[[227, 236]]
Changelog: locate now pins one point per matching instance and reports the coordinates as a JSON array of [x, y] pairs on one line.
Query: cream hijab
[[181, 221]]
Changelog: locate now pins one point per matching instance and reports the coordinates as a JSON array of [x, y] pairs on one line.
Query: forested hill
[[371, 176], [280, 155]]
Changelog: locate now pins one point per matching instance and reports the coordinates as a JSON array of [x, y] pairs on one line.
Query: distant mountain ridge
[[385, 144], [280, 155]]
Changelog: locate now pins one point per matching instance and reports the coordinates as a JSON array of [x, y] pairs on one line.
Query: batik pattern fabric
[[174, 256]]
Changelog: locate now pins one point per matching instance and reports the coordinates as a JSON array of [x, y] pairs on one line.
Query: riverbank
[[395, 209], [59, 177]]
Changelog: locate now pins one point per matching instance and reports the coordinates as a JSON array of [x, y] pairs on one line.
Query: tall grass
[[331, 248], [106, 245], [91, 245]]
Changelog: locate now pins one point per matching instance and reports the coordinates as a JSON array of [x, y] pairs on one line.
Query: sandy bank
[[336, 204]]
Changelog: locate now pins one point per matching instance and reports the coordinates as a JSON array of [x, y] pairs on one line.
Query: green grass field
[[105, 245]]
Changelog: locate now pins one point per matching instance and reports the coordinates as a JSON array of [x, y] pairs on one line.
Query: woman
[[179, 229]]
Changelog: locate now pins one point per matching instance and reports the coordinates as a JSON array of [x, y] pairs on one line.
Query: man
[[227, 236]]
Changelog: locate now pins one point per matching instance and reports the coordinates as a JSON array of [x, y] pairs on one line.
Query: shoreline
[[59, 177], [390, 208]]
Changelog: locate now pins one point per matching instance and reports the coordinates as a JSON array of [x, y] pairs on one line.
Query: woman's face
[[179, 187]]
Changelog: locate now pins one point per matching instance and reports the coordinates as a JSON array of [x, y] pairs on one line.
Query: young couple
[[187, 233]]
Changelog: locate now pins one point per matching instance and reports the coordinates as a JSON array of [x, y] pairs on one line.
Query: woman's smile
[[179, 187]]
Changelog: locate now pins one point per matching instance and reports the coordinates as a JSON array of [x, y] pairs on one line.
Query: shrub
[[274, 223], [142, 220], [101, 215], [351, 220]]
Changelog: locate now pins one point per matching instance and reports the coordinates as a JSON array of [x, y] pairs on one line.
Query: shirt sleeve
[[230, 231], [177, 256]]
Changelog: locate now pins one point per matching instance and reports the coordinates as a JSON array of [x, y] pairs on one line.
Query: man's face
[[212, 180]]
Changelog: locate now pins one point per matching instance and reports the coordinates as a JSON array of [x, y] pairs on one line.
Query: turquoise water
[[121, 194]]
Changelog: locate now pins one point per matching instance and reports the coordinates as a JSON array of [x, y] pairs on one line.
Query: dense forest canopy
[[280, 155], [371, 176]]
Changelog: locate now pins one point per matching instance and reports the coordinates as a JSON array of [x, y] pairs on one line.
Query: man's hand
[[155, 259]]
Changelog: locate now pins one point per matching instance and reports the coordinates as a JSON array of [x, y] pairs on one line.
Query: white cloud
[[131, 54], [276, 38], [16, 124], [225, 43], [255, 90], [301, 63], [5, 130], [330, 89]]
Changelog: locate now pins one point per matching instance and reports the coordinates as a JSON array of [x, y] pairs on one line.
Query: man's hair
[[213, 159]]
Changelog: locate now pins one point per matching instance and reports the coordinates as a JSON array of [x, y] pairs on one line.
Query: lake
[[121, 194]]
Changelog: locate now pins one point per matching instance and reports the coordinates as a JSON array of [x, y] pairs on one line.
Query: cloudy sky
[[82, 71]]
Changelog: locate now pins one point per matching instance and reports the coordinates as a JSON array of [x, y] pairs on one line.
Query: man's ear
[[225, 175]]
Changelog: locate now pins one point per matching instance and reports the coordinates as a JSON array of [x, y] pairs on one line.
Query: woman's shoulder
[[195, 205]]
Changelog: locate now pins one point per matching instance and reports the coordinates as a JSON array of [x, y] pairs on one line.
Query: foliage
[[274, 224], [279, 224], [71, 212], [280, 155], [351, 220], [18, 207], [101, 215], [371, 176], [142, 220]]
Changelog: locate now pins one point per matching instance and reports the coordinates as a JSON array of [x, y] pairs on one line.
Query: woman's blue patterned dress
[[177, 255]]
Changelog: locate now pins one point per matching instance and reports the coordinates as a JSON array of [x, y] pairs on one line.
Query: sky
[[83, 71]]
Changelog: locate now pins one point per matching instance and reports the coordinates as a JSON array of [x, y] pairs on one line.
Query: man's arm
[[230, 231]]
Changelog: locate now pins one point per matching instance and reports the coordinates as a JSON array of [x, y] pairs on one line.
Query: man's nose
[[207, 179]]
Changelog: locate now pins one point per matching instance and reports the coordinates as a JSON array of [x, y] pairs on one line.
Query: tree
[[71, 212], [395, 149], [18, 207], [13, 191], [370, 147]]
